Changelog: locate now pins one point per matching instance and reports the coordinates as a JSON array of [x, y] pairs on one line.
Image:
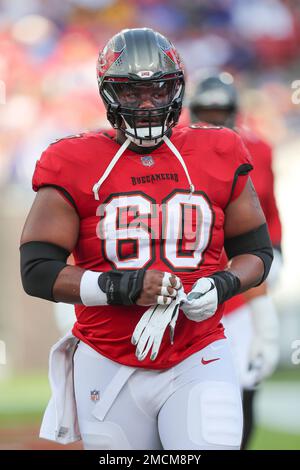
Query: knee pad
[[215, 414], [103, 436]]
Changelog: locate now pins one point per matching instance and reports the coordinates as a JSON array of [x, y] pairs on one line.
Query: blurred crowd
[[48, 51]]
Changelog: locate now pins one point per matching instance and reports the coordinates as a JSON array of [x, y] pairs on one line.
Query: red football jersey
[[146, 217], [263, 180]]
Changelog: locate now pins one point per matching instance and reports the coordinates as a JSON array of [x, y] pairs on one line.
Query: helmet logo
[[174, 57], [106, 59], [145, 73], [147, 160]]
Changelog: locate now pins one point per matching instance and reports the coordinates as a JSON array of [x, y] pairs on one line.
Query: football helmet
[[141, 82], [215, 93]]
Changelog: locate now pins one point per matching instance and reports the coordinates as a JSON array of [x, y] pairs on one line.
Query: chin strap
[[176, 152], [109, 168]]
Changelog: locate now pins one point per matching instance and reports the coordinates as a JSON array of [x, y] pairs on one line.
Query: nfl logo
[[145, 73], [147, 160], [95, 395]]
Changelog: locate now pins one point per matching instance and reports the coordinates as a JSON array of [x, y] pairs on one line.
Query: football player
[[253, 327], [146, 215]]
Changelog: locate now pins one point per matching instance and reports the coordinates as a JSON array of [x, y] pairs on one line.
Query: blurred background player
[[250, 318]]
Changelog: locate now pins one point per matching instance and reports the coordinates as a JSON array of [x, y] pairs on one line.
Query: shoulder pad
[[205, 126], [72, 136]]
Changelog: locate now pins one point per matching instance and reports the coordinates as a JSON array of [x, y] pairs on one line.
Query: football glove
[[207, 293], [149, 331], [264, 350], [202, 302]]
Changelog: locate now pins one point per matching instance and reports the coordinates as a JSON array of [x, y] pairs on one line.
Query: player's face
[[217, 117], [145, 95]]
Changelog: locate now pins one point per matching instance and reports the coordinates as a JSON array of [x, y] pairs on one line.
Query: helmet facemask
[[215, 115], [144, 110]]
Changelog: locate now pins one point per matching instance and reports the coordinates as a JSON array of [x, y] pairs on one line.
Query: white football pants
[[193, 405]]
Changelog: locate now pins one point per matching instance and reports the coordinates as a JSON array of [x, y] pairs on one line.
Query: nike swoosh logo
[[204, 362]]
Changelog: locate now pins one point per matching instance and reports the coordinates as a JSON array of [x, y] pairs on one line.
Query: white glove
[[264, 350], [150, 329], [202, 302]]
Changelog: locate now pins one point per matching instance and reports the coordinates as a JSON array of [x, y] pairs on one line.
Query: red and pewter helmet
[[141, 81]]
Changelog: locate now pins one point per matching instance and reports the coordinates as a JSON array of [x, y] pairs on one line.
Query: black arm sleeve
[[41, 262], [255, 242]]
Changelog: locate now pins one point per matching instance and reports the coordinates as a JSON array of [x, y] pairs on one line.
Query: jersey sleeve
[[243, 166], [270, 206], [53, 169]]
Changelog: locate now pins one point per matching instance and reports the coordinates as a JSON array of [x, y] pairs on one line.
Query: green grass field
[[23, 400], [268, 439]]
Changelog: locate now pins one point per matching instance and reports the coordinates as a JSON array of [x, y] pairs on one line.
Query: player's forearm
[[249, 269], [256, 292], [67, 285]]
